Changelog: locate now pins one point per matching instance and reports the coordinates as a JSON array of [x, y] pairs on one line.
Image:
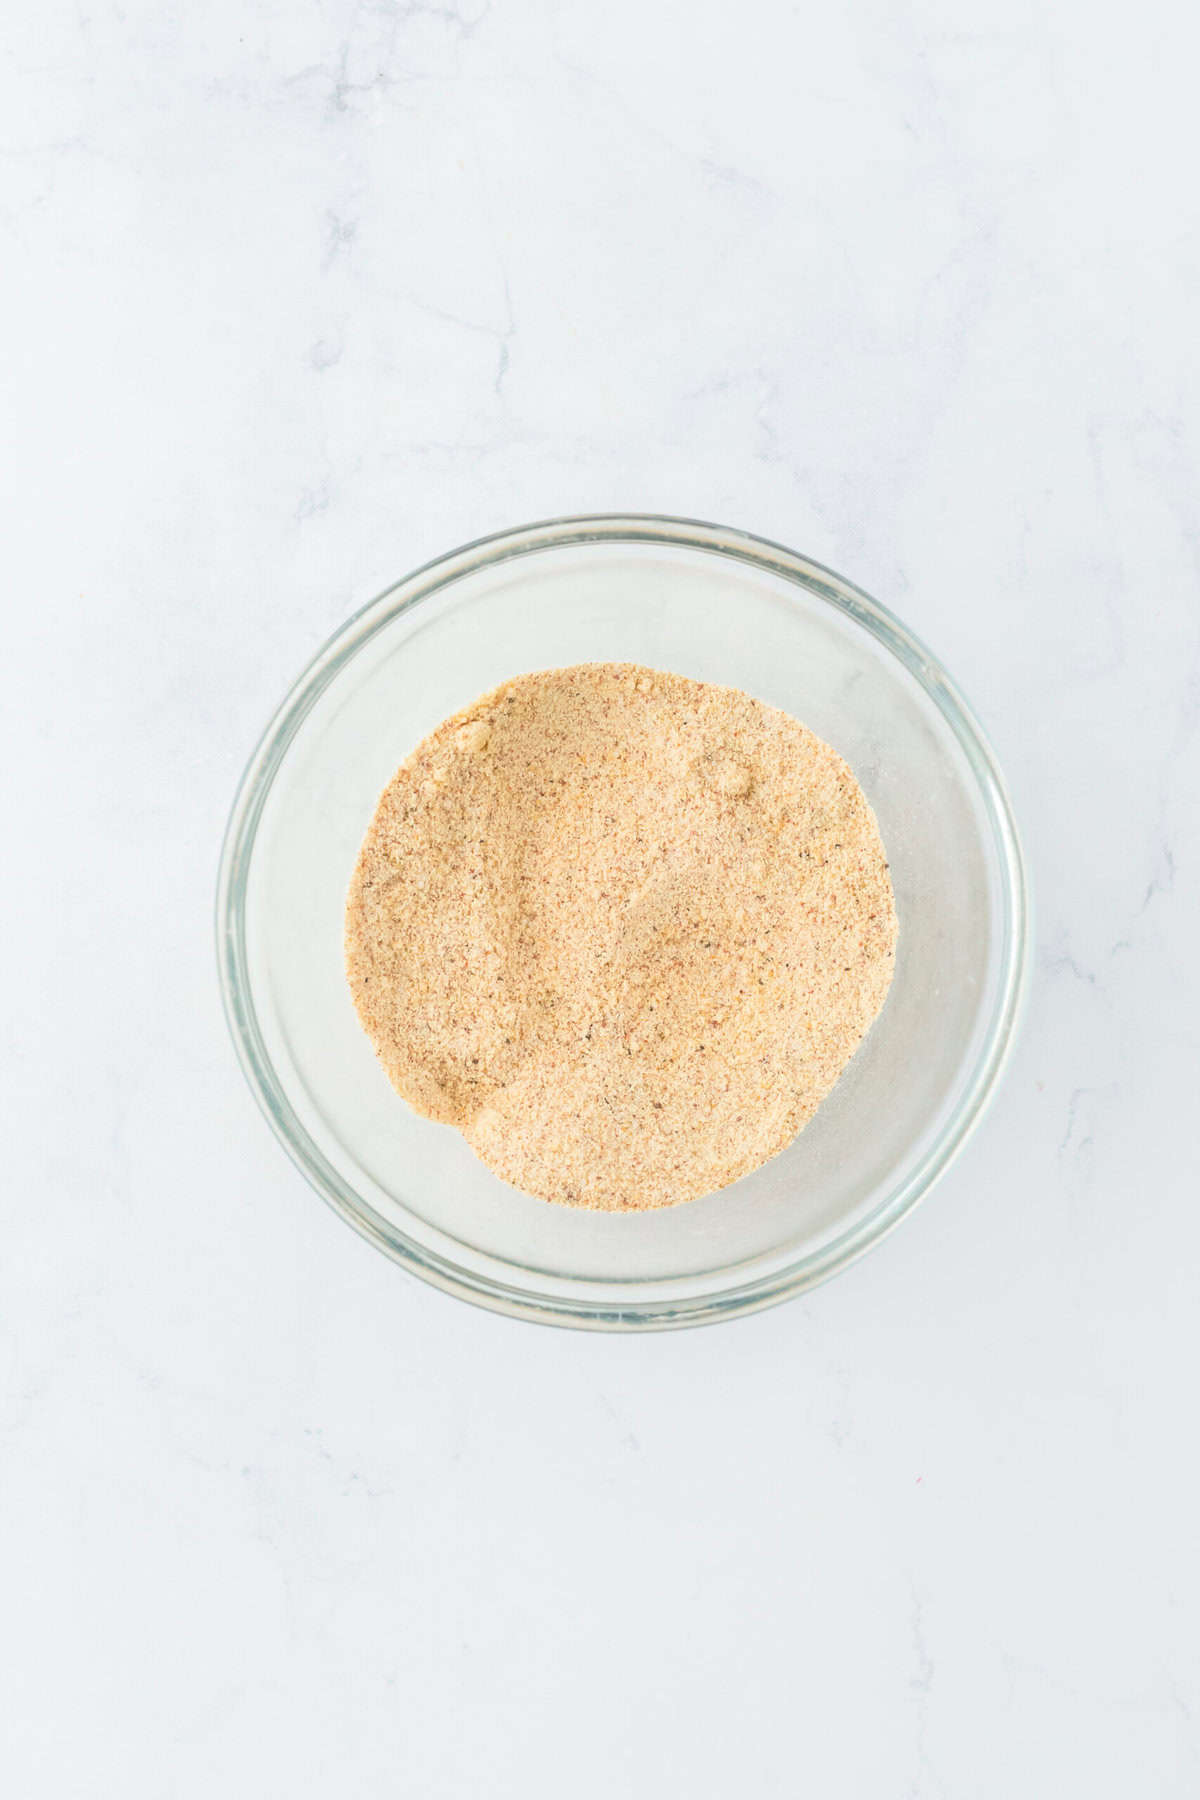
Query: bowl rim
[[659, 1311]]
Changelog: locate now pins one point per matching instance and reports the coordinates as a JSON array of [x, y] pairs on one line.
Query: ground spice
[[623, 929]]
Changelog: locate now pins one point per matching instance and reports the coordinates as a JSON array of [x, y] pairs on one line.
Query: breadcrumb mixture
[[624, 930]]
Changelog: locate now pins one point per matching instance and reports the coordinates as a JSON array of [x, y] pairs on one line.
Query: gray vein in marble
[[313, 501], [628, 1435], [389, 72], [1054, 962], [1078, 1096], [921, 1686], [340, 234], [711, 171], [326, 353]]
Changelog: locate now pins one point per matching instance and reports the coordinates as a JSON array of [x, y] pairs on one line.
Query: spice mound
[[623, 929]]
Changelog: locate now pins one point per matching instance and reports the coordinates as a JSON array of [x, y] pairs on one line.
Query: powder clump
[[621, 928]]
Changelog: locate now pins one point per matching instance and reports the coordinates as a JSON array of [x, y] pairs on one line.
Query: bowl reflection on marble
[[703, 601]]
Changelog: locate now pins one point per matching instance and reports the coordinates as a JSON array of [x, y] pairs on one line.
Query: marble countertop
[[297, 296]]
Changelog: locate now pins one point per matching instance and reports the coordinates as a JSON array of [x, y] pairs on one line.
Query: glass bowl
[[703, 601]]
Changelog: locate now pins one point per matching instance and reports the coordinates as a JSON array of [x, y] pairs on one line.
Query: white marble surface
[[295, 296]]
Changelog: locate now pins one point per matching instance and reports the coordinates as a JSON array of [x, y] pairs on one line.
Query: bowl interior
[[791, 635]]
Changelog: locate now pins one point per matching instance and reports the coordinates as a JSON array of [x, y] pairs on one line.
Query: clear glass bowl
[[724, 607]]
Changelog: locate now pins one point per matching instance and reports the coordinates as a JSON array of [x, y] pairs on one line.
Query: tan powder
[[623, 929]]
